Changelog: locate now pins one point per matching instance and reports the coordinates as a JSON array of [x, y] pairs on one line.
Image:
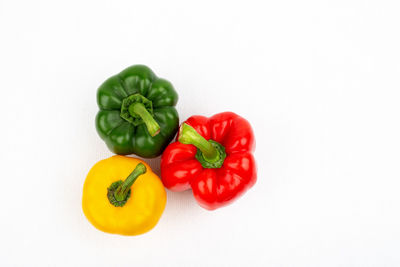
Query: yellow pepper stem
[[120, 191]]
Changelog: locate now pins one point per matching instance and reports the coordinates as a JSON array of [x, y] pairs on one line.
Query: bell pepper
[[121, 195], [212, 156], [137, 114]]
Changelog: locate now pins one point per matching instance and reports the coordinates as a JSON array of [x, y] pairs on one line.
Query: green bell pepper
[[137, 113]]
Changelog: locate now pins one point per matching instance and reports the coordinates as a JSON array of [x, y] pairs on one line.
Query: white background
[[318, 80]]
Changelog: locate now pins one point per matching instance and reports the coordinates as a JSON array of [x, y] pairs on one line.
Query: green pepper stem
[[189, 136], [151, 124], [122, 191]]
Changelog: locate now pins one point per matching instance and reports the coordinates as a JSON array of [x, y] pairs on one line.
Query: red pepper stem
[[122, 190], [151, 124], [189, 136]]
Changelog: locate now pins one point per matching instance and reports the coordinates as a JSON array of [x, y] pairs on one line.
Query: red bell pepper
[[213, 156]]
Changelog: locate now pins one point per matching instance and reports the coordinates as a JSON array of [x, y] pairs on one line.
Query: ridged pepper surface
[[137, 113], [213, 157]]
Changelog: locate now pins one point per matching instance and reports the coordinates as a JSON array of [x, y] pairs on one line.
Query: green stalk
[[189, 136], [151, 124], [122, 190]]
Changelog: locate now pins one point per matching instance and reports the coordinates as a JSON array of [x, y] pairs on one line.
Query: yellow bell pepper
[[121, 195]]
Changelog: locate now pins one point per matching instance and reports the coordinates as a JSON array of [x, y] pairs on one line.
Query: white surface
[[318, 80]]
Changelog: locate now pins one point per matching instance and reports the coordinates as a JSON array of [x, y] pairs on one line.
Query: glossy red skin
[[213, 188]]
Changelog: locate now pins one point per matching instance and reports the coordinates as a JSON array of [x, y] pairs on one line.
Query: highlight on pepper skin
[[213, 157], [122, 195]]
